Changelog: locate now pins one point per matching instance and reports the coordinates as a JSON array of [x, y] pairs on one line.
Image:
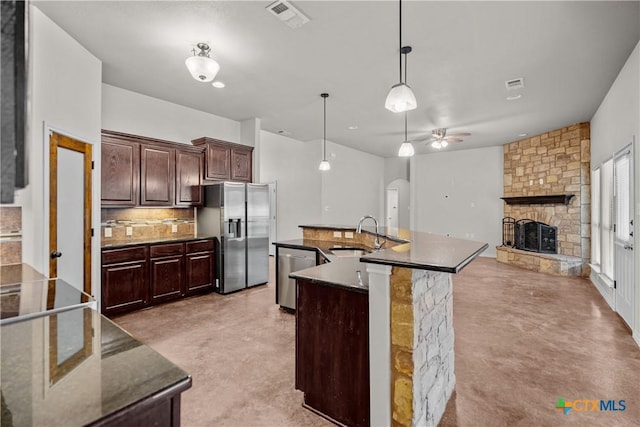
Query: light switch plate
[[107, 232], [337, 234], [129, 231], [348, 234], [174, 228]]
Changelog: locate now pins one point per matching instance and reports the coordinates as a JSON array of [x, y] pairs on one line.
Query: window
[[595, 218], [606, 219]]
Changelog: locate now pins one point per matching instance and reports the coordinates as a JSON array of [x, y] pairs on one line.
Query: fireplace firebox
[[536, 236]]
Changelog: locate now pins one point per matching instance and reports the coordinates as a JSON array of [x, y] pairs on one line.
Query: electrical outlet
[[174, 228], [337, 234], [541, 181], [107, 232], [348, 234], [128, 231]]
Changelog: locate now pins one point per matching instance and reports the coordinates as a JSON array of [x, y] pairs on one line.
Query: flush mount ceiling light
[[324, 164], [406, 149], [401, 97], [201, 66]]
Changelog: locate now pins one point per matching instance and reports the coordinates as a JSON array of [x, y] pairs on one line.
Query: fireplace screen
[[536, 236]]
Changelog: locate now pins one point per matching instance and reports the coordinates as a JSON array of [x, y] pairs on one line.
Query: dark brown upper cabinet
[[157, 169], [141, 171], [189, 173], [120, 171], [226, 161]]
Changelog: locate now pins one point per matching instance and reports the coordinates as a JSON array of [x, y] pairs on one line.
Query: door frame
[[67, 141]]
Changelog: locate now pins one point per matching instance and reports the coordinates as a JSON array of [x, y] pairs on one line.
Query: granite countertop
[[114, 244], [322, 246], [423, 251], [77, 368], [18, 273], [36, 298], [346, 272]]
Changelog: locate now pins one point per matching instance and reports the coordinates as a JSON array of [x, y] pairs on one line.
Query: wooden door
[[189, 174], [70, 165], [199, 270], [120, 172], [157, 172]]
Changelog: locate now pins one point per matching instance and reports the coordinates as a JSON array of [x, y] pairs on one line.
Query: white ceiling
[[568, 53]]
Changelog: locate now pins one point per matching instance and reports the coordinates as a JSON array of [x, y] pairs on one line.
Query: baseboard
[[605, 291]]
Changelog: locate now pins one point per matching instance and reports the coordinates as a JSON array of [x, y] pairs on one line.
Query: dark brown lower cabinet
[[332, 351], [138, 276], [124, 279], [199, 266]]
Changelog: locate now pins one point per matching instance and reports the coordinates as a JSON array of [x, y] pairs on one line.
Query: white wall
[[294, 166], [354, 186], [458, 194], [134, 113], [65, 91], [615, 124]]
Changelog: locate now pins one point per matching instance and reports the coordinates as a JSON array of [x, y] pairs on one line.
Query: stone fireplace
[[547, 181]]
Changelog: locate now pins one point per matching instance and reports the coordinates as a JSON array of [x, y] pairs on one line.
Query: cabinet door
[[124, 287], [157, 175], [120, 173], [189, 178], [218, 159], [199, 272], [166, 278], [241, 165]]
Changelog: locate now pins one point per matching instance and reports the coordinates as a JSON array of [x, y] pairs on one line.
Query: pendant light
[[401, 97], [324, 164], [406, 149], [201, 66]]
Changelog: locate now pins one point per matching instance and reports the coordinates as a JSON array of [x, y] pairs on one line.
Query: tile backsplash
[[10, 235], [144, 223]]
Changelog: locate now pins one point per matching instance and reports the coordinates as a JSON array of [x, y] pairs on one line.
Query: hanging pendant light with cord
[[406, 149], [202, 67], [401, 97], [324, 164]]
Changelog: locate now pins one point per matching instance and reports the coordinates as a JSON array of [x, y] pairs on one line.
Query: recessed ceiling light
[[218, 84], [514, 97], [284, 132], [352, 127], [523, 134]]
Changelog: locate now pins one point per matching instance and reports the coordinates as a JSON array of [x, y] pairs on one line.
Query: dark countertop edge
[[121, 244], [353, 228], [455, 269], [165, 393], [316, 281]]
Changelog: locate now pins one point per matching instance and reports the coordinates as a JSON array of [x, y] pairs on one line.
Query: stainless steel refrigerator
[[238, 214]]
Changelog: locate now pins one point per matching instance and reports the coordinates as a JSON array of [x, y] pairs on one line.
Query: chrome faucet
[[376, 244]]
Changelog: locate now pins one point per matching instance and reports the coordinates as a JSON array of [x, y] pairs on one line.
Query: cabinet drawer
[[113, 256], [200, 246], [166, 250]]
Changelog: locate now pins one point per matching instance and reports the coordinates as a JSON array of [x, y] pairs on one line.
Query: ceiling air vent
[[287, 13], [514, 83]]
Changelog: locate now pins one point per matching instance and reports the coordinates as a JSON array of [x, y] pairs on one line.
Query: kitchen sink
[[348, 252]]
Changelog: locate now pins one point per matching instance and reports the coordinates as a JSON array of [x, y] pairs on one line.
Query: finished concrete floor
[[523, 340]]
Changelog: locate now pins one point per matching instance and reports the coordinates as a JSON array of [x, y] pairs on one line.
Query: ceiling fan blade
[[422, 140], [451, 139], [456, 135]]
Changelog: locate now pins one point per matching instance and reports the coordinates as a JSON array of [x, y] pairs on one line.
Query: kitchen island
[[410, 323]]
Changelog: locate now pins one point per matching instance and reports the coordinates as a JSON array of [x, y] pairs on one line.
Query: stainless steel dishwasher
[[289, 261]]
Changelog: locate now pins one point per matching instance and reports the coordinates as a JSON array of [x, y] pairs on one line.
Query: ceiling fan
[[439, 138]]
